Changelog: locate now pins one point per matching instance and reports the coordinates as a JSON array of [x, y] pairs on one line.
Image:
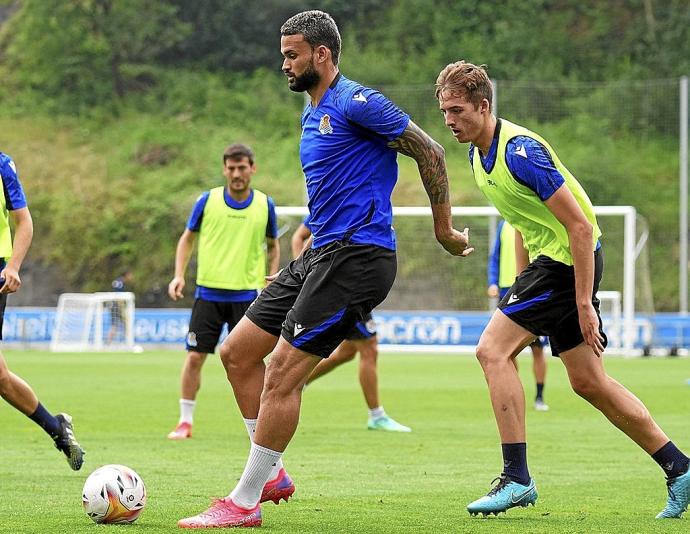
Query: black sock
[[671, 460], [540, 391], [46, 421], [515, 462]]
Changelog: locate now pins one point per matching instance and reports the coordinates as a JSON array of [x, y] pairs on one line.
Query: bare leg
[[589, 380], [343, 353], [499, 344], [286, 375], [242, 354], [15, 391], [368, 377], [191, 374]]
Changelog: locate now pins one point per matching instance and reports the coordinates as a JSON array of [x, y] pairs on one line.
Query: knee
[[586, 387], [483, 354], [369, 353], [231, 359], [195, 361]]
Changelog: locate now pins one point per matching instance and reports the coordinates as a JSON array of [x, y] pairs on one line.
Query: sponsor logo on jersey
[[359, 97], [520, 151], [325, 125]]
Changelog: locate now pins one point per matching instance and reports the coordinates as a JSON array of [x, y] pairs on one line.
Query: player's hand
[[589, 326], [492, 291], [271, 277], [175, 288], [457, 243], [10, 280]]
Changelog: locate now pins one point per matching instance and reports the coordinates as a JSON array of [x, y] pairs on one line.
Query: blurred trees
[[94, 50], [87, 51]]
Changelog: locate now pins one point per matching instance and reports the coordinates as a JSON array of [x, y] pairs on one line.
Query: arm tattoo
[[430, 157]]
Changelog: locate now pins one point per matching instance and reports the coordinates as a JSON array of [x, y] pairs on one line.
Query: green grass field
[[590, 477]]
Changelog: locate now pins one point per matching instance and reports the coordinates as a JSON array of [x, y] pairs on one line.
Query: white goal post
[[94, 322], [621, 250]]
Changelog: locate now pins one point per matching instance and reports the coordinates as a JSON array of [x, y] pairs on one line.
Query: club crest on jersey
[[191, 339], [325, 125]]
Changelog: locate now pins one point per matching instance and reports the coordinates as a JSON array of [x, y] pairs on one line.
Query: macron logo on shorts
[[298, 329], [513, 298]]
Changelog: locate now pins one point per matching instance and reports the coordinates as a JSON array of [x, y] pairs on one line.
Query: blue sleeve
[[471, 155], [531, 164], [495, 256], [194, 222], [272, 226], [12, 188], [371, 110], [307, 221]]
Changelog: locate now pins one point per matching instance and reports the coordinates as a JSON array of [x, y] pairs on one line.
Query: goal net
[[94, 322], [441, 301]]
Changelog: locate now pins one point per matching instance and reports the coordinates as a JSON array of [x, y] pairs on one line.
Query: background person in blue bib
[[351, 136], [238, 232]]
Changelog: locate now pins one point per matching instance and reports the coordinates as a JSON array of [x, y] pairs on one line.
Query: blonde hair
[[465, 79]]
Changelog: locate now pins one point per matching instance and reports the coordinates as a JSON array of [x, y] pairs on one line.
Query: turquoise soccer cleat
[[506, 494], [387, 423], [678, 496]]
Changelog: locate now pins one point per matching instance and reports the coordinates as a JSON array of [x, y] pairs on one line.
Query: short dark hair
[[318, 29], [238, 151]]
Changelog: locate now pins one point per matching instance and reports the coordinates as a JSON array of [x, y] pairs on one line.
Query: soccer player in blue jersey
[[361, 338], [555, 295], [12, 388], [238, 236], [504, 261], [350, 139]]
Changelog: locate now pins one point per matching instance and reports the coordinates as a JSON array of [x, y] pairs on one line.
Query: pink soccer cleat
[[281, 487], [182, 431], [223, 513]]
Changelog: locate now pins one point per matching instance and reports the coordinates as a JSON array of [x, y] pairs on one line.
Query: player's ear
[[323, 53]]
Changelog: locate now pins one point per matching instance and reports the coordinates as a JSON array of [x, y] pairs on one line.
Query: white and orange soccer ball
[[114, 494]]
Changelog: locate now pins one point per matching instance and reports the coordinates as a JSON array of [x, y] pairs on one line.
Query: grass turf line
[[590, 477]]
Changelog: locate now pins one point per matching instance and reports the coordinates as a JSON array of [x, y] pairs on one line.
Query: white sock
[[251, 429], [377, 412], [256, 473], [187, 411]]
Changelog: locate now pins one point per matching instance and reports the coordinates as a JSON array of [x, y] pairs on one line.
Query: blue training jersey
[[349, 168], [11, 186]]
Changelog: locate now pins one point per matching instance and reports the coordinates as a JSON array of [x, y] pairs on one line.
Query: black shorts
[[3, 303], [542, 300], [364, 329], [318, 298], [207, 322]]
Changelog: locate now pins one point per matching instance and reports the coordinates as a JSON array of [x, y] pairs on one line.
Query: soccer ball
[[114, 494]]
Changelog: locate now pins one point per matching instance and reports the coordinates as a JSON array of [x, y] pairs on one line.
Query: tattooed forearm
[[430, 157]]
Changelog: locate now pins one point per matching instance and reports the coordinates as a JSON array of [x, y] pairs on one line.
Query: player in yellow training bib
[[555, 295]]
